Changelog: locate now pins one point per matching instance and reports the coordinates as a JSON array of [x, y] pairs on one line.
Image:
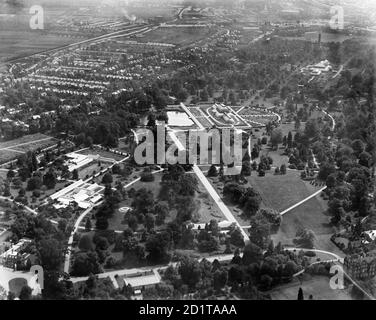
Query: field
[[317, 286], [310, 215], [177, 36], [281, 191], [9, 150], [18, 44], [278, 192]]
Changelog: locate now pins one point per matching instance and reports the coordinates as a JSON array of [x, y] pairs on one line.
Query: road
[[303, 201], [339, 72], [82, 216], [338, 261], [155, 269], [70, 240], [209, 188]]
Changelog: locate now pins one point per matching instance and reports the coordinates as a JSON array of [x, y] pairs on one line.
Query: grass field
[[281, 191], [310, 215], [9, 150], [18, 44], [177, 36], [317, 286]]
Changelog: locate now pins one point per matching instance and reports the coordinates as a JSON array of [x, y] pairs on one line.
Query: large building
[[360, 267], [15, 254], [79, 192]]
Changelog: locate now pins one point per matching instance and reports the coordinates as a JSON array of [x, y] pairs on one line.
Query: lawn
[[281, 191], [317, 286], [310, 215]]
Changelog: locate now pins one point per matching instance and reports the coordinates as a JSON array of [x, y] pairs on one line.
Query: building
[[76, 161], [360, 267], [79, 192], [318, 69], [15, 255]]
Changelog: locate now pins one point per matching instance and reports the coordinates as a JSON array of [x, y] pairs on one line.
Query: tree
[[259, 231], [149, 222], [273, 216], [158, 246], [132, 223], [289, 140], [305, 238], [50, 252], [255, 152], [25, 293], [246, 168], [190, 271], [86, 244], [233, 191], [85, 264], [251, 206], [300, 294], [326, 169], [101, 223], [11, 174], [220, 278], [365, 159], [34, 183], [49, 179], [276, 138], [312, 129], [161, 211], [358, 147], [252, 254], [75, 174], [213, 172], [107, 178], [88, 225], [236, 238]]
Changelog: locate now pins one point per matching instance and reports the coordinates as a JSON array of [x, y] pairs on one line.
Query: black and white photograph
[[205, 152]]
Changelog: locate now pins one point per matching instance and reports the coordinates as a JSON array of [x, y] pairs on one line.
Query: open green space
[[317, 286]]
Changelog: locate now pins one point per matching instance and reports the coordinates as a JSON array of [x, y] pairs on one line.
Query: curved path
[[338, 261], [79, 220]]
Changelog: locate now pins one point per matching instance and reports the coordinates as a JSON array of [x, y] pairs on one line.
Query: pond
[[179, 119]]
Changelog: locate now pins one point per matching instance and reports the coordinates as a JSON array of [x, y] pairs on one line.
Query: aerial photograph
[[187, 150]]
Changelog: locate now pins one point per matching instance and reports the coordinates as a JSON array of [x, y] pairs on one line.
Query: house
[[16, 255], [360, 267]]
